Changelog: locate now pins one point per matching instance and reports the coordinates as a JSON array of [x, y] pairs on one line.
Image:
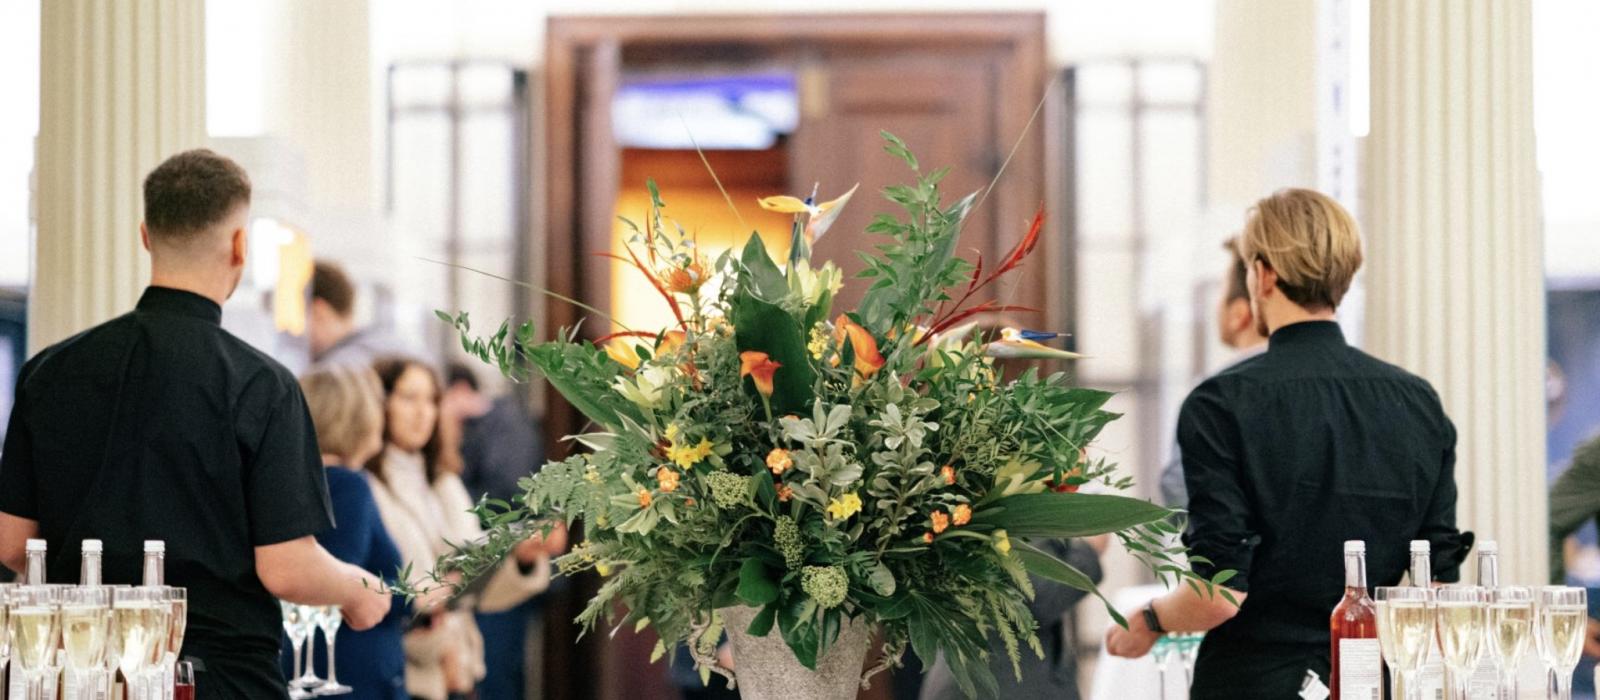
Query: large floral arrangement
[[770, 450]]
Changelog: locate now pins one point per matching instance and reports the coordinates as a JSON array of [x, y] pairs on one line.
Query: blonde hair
[[1309, 240], [346, 404]]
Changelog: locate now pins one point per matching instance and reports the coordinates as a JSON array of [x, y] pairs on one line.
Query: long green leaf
[[765, 279], [1066, 515], [1040, 563]]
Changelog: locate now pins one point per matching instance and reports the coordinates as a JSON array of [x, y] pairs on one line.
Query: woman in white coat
[[426, 508]]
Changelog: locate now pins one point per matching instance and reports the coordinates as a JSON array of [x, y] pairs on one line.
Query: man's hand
[[529, 551], [367, 607], [1133, 642]]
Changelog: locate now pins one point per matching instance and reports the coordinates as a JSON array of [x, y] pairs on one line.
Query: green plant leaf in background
[[755, 587], [1040, 563], [1067, 515], [765, 327]]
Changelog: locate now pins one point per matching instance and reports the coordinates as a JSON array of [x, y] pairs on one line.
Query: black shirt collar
[[166, 300], [1306, 333]]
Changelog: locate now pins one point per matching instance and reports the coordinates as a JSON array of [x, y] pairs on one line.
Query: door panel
[[941, 106]]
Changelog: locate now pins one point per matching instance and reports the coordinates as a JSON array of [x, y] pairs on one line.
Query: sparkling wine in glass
[[1511, 623], [34, 626], [1461, 615], [329, 619], [85, 635], [5, 635], [1563, 614], [1405, 634], [140, 623]]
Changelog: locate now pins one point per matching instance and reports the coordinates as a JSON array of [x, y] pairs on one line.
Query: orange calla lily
[[759, 367], [867, 358]]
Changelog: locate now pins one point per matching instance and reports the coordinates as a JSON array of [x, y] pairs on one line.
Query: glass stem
[[1396, 684], [333, 676], [297, 662], [311, 655], [1563, 687]]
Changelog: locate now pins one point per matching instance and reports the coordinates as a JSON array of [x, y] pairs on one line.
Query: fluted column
[[1455, 266], [122, 87]]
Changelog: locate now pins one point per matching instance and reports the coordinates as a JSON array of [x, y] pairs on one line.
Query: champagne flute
[[140, 624], [5, 636], [1405, 626], [329, 619], [1462, 618], [1510, 631], [1563, 619], [85, 632], [309, 619], [177, 599], [292, 626], [34, 624], [1162, 653]]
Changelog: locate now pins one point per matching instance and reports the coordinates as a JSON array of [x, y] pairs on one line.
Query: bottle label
[[1431, 681], [1485, 683], [1360, 669]]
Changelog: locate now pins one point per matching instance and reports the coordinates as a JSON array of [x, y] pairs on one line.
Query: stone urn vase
[[765, 668]]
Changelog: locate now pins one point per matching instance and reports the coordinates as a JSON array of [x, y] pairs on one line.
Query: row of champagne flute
[[90, 632], [301, 623], [1472, 623]]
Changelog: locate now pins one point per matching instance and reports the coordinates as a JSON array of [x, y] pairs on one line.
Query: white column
[[1455, 251], [122, 87]]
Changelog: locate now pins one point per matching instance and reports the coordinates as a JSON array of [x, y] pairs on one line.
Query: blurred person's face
[[324, 326], [1234, 318], [412, 410]]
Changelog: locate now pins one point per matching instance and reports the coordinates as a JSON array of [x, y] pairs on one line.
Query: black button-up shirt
[[161, 425], [1287, 455]]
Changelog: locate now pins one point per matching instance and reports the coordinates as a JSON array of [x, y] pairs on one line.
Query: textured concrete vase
[[767, 670]]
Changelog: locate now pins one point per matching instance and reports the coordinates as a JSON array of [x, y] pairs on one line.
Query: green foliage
[[899, 493]]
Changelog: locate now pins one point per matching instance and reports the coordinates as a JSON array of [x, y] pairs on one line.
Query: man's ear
[[241, 246], [1266, 280], [144, 237]]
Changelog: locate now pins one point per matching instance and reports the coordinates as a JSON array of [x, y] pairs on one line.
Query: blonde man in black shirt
[[161, 425], [1290, 453]]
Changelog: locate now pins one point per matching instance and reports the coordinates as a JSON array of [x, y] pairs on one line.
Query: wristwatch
[[1151, 621]]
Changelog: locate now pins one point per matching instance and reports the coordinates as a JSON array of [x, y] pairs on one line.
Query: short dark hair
[[1238, 286], [458, 372], [191, 192], [330, 284]]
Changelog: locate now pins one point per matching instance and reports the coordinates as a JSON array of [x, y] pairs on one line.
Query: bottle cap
[[93, 546], [36, 545], [1355, 547], [151, 546], [1419, 547], [1488, 547]]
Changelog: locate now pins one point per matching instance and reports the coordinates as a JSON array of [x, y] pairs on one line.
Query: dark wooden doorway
[[959, 88]]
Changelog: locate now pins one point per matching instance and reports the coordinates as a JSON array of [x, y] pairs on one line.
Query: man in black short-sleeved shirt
[[1290, 453], [161, 425]]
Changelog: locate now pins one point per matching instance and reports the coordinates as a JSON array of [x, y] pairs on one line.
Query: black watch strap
[[1151, 621]]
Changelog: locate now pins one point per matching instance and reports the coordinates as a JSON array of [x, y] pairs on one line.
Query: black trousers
[[1232, 670]]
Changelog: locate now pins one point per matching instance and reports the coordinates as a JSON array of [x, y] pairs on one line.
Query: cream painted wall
[[1263, 106]]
